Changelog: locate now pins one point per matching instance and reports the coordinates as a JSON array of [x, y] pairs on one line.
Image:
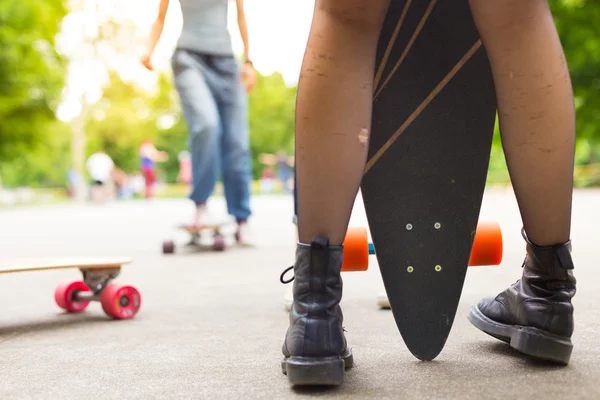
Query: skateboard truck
[[117, 301], [96, 280], [486, 249]]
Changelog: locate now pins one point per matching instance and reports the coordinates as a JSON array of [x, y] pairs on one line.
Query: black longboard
[[434, 110]]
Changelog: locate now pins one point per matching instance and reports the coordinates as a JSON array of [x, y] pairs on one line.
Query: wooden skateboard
[[196, 232], [118, 301], [487, 248], [434, 109]]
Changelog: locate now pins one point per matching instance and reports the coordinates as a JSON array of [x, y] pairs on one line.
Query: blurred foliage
[[127, 114], [578, 23], [32, 76], [271, 118], [35, 147]]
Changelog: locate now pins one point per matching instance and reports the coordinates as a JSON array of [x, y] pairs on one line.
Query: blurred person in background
[[184, 175], [210, 84], [100, 168], [149, 156], [284, 170]]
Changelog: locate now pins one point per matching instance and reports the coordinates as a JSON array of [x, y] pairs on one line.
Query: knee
[[236, 162], [204, 129], [365, 16]]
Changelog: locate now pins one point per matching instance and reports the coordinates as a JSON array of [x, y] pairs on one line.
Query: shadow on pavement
[[503, 349], [57, 323]]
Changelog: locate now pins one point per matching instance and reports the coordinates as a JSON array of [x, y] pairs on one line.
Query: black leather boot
[[315, 350], [535, 314]]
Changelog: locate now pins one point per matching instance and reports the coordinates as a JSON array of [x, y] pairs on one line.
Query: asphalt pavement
[[212, 324]]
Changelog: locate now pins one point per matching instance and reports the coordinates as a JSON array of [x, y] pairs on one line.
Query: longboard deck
[[33, 264], [196, 231], [200, 228], [118, 301], [434, 111]]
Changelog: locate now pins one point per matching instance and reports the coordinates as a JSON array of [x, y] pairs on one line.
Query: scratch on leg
[[363, 136]]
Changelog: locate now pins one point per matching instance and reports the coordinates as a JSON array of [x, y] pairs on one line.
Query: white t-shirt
[[100, 166]]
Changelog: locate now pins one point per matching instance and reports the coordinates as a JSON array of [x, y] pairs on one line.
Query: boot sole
[[317, 371], [528, 340]]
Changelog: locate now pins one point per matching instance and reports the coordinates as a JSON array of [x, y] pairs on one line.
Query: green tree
[[125, 116], [578, 24], [35, 147], [31, 75], [271, 118]]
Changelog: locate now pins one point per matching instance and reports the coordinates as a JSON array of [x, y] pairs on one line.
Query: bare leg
[[536, 111], [333, 114], [333, 118], [537, 120]]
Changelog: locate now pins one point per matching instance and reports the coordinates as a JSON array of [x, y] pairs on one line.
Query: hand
[[146, 62], [248, 76]]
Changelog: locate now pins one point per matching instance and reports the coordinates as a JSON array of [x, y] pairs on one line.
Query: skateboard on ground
[[196, 233], [434, 110], [118, 301]]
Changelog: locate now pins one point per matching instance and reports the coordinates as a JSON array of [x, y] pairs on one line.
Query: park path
[[212, 324]]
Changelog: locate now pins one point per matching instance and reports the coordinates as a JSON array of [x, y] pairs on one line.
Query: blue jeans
[[214, 104]]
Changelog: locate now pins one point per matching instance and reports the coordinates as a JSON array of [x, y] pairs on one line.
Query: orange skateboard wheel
[[487, 245], [356, 250]]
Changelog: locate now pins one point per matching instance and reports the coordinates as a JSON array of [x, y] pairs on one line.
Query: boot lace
[[285, 282]]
